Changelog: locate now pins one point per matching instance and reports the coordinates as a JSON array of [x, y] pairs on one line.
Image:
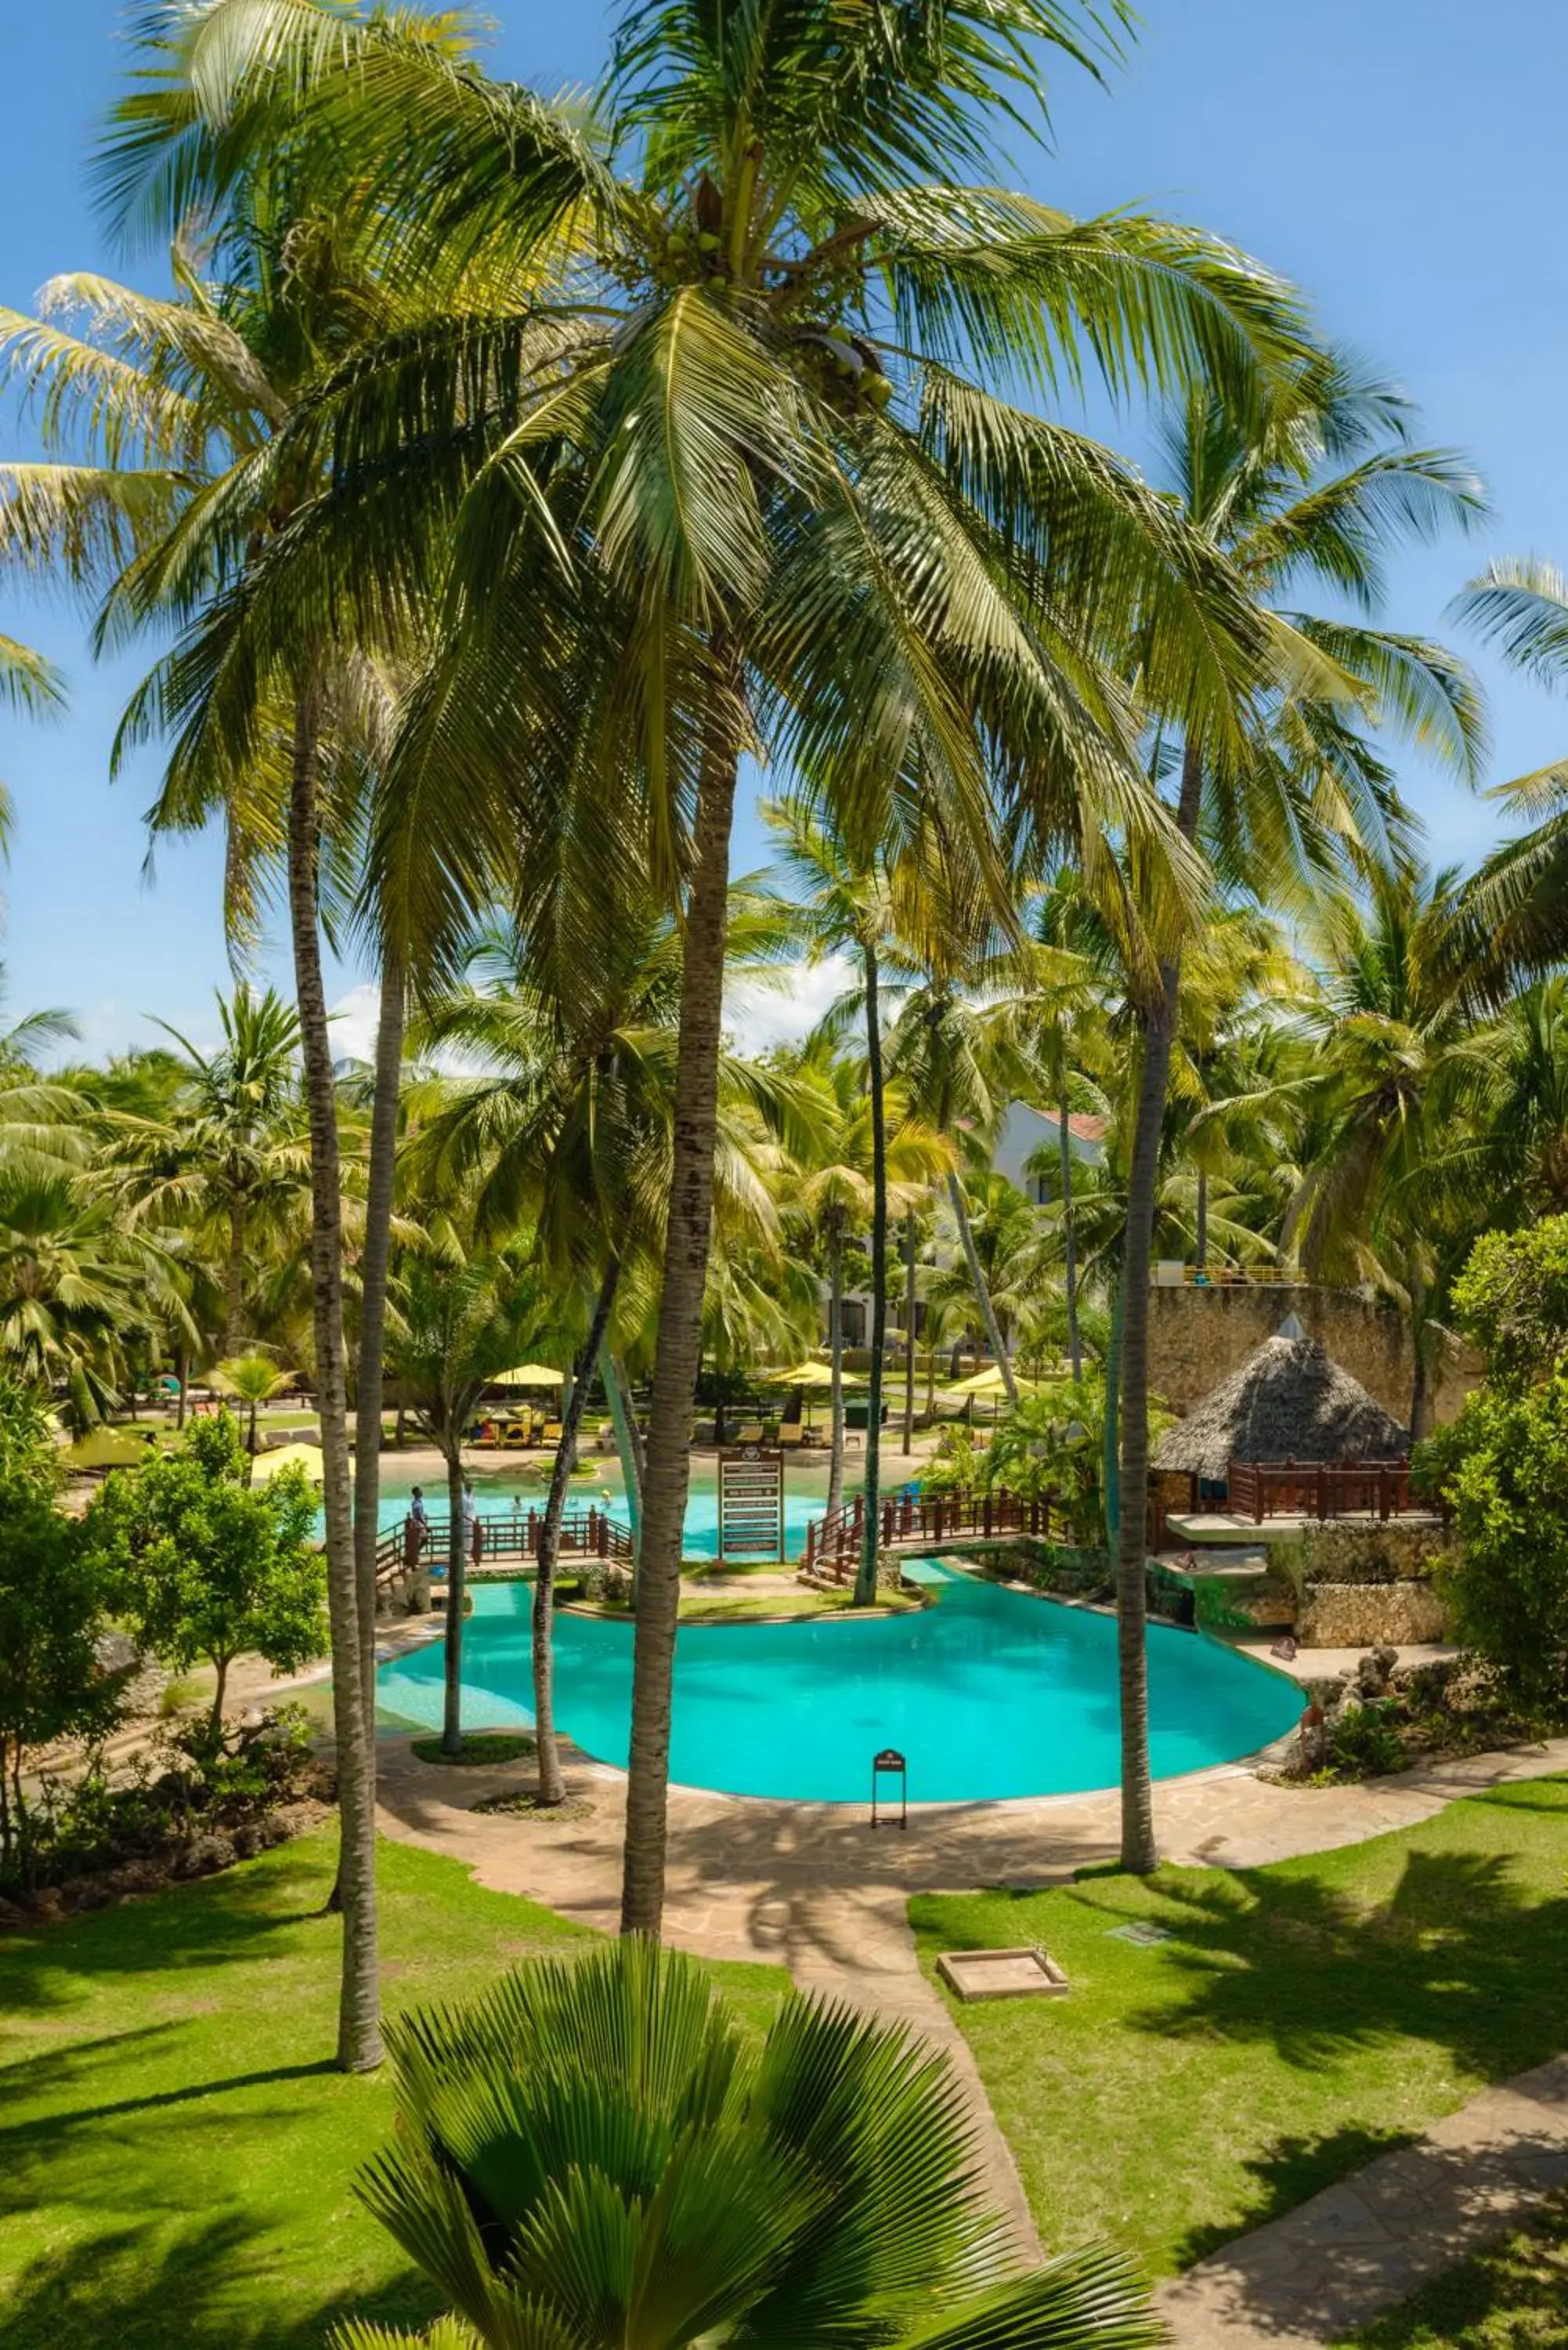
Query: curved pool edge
[[432, 1630]]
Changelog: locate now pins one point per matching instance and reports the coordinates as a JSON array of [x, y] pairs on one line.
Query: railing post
[[1256, 1495], [1322, 1492], [985, 1516], [1383, 1493], [810, 1544], [937, 1521], [604, 1534]]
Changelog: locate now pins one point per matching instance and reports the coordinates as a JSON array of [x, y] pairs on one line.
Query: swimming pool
[[989, 1693]]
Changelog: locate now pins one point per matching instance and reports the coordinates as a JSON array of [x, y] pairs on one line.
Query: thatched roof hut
[[1289, 1401]]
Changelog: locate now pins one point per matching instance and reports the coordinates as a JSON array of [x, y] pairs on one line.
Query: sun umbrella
[[309, 1457], [988, 1382], [529, 1375]]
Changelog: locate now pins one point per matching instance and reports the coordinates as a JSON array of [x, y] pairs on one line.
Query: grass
[[1512, 2296], [1304, 2018], [176, 2156]]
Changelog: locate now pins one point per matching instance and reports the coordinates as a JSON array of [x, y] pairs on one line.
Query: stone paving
[[1327, 2267]]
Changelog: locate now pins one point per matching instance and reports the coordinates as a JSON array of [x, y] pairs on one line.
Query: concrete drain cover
[[1142, 1936], [1031, 1973]]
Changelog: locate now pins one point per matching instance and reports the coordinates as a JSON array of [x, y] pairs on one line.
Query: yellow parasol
[[309, 1457], [529, 1375]]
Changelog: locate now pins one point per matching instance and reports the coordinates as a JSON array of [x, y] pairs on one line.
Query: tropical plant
[[251, 1379], [228, 1154], [52, 1608], [201, 1563], [817, 2188]]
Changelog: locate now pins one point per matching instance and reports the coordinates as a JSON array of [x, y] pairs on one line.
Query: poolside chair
[[553, 1432], [790, 1433], [750, 1434]]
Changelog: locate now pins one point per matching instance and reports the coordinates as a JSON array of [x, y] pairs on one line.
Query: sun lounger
[[790, 1433], [553, 1432], [751, 1434]]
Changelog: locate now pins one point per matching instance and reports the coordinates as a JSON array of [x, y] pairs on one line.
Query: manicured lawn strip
[[175, 2160], [1307, 2017], [1513, 2296]]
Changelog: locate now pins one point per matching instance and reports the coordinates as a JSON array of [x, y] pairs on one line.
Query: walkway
[[1327, 2267]]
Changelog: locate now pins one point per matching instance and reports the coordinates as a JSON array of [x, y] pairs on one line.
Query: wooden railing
[[833, 1544], [584, 1533], [1314, 1489]]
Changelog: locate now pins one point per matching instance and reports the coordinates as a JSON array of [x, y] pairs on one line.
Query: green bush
[[1502, 1468], [204, 1564]]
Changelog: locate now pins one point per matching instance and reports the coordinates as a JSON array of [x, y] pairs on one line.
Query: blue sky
[[1398, 159]]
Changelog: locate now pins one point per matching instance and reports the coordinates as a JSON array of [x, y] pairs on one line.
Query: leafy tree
[[204, 1564], [646, 2177], [1512, 1301], [1502, 1468], [51, 1609]]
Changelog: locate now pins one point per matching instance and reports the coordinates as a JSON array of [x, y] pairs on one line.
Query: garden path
[[1324, 2269]]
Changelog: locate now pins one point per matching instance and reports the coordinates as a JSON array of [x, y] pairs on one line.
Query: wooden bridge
[[503, 1540], [915, 1522]]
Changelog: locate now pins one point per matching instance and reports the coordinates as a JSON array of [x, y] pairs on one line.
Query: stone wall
[[1198, 1337], [1366, 1615]]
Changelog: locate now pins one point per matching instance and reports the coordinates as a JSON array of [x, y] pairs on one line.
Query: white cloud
[[758, 1016], [354, 1021]]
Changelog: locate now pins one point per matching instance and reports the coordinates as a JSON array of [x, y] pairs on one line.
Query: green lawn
[[175, 2157], [1513, 2296], [1304, 2018]]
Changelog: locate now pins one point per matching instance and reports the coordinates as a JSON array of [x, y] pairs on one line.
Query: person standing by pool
[[472, 1538], [416, 1528]]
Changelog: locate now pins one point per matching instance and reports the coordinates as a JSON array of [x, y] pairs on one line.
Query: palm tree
[[460, 1321], [251, 1379], [1314, 491], [1402, 1065], [835, 1193], [734, 382], [227, 1153], [752, 2191], [76, 1290]]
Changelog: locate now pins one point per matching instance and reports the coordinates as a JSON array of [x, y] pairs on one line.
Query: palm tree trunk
[[358, 2019], [835, 1359], [456, 1593], [1140, 1853], [1069, 1237], [910, 1244], [981, 1293], [1111, 1507], [686, 1243], [235, 1281], [183, 1367], [552, 1785], [627, 1440], [374, 1261], [865, 1581], [1420, 1404], [1202, 1233]]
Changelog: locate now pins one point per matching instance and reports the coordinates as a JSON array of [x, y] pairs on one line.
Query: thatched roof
[[1289, 1401]]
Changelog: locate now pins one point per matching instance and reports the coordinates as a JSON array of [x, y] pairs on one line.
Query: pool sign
[[750, 1502]]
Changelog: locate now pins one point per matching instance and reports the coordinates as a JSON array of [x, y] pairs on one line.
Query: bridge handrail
[[908, 1518], [516, 1534]]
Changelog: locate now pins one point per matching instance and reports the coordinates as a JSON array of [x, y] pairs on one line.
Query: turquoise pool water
[[988, 1693]]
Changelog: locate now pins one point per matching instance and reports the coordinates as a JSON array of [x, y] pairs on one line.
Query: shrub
[[1502, 1468], [204, 1564], [51, 1609]]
